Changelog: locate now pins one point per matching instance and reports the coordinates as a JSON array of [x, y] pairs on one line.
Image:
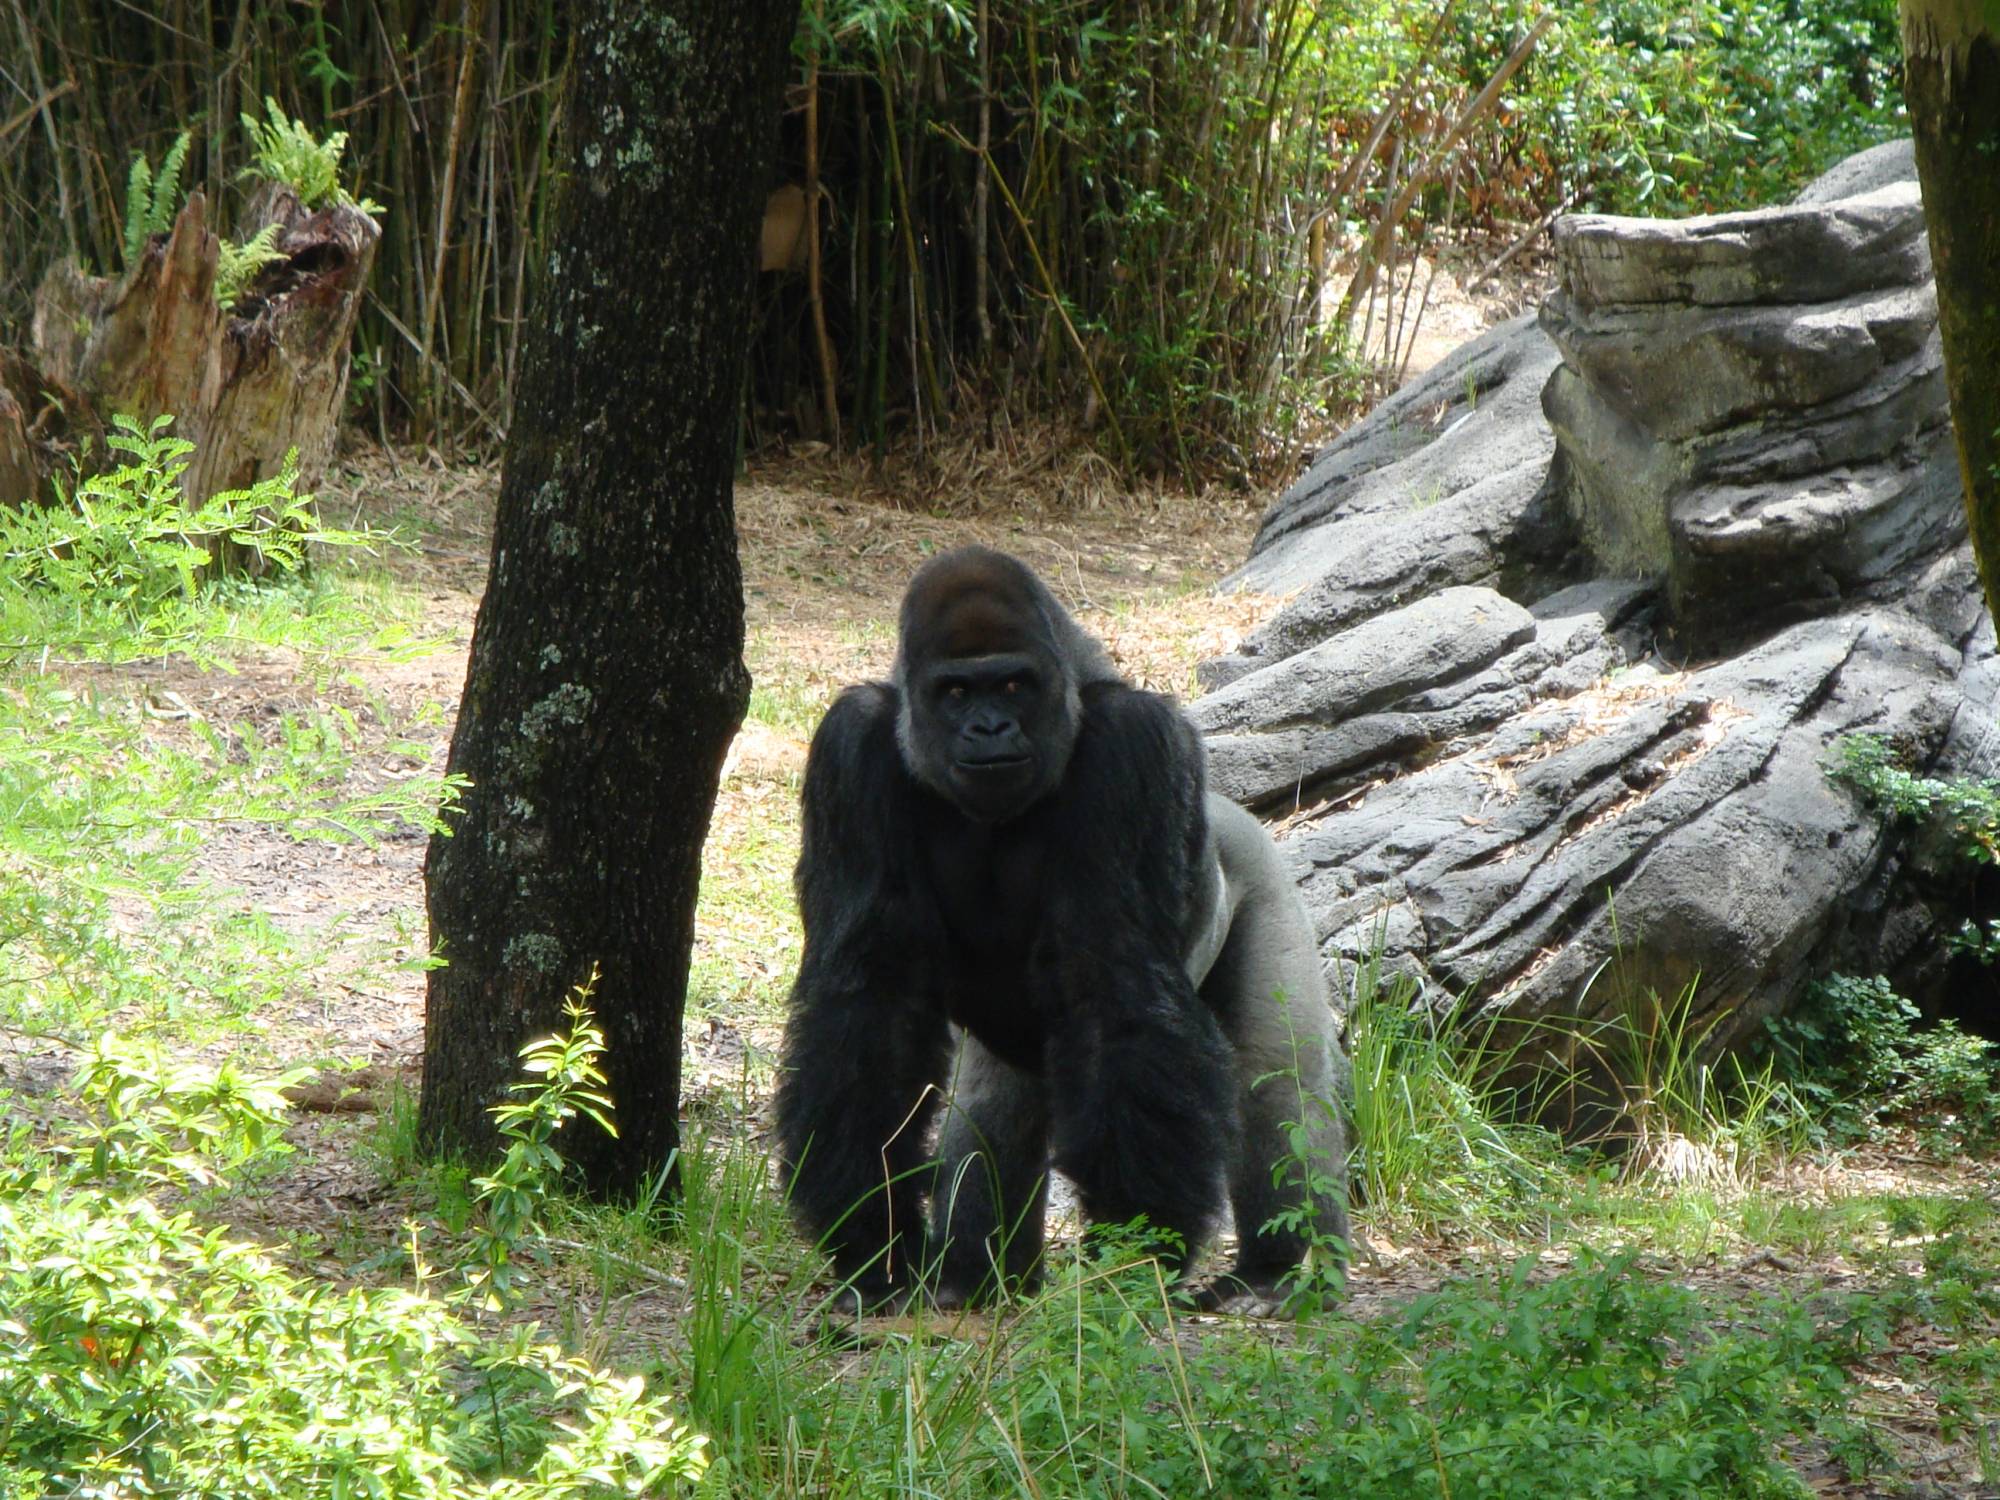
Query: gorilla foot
[[1245, 1294]]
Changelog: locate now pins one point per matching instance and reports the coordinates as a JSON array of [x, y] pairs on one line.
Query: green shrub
[[144, 1354], [1861, 1055], [127, 541], [1965, 810], [1664, 107]]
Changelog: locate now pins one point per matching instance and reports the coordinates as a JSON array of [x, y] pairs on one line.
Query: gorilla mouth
[[992, 763]]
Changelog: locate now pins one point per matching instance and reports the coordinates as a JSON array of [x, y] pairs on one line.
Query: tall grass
[[1437, 1139]]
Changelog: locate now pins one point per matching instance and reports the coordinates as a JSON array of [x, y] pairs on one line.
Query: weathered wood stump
[[247, 384]]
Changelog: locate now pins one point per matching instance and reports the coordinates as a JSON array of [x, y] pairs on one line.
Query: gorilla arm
[[1142, 1099], [864, 1049]]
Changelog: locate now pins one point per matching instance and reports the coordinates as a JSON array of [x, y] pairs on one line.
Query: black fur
[[1010, 841]]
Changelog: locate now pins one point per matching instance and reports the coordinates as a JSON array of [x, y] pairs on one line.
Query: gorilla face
[[987, 723], [990, 703]]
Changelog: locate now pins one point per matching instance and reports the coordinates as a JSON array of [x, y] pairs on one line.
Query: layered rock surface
[[1577, 622]]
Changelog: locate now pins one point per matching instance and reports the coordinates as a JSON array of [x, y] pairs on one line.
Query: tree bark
[[1952, 83], [607, 678]]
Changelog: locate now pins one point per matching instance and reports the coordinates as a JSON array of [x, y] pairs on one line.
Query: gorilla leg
[[859, 1089], [1269, 993], [991, 1199]]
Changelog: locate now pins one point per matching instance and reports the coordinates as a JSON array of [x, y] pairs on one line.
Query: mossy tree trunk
[[607, 677], [1952, 83]]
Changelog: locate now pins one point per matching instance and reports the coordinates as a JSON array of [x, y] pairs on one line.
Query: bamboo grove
[[1165, 223]]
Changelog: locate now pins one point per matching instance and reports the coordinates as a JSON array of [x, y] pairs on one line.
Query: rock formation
[[1577, 621]]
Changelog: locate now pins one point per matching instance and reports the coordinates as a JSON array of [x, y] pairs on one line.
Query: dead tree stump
[[247, 384]]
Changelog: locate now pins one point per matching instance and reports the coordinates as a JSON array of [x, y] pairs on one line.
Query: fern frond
[[167, 185], [138, 206], [238, 265]]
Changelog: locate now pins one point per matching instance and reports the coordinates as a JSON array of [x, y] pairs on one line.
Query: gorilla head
[[990, 669]]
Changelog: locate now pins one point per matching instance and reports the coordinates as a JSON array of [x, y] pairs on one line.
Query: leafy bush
[[126, 539], [1663, 106], [1860, 1053], [144, 1354], [1967, 811]]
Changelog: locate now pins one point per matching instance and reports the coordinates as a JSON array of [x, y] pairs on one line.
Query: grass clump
[[1692, 1116], [1436, 1138]]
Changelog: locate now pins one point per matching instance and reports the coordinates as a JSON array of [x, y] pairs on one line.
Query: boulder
[[1579, 620], [1752, 405]]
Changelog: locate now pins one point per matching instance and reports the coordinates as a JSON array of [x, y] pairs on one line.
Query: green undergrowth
[[113, 783], [120, 568], [144, 1353]]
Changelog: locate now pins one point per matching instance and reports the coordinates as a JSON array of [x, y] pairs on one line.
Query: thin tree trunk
[[1951, 52], [475, 15], [981, 191], [607, 677]]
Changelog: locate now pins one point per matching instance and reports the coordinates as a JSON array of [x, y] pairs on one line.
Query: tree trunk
[[607, 678], [1952, 82], [248, 385]]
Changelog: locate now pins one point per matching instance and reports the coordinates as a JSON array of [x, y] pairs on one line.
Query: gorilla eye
[[1013, 685], [955, 691]]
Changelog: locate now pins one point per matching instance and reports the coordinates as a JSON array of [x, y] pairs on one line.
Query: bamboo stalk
[[1470, 116], [31, 49], [1055, 297], [829, 382], [474, 12], [983, 42]]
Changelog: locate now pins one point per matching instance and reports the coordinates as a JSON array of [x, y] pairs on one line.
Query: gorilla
[[1017, 891]]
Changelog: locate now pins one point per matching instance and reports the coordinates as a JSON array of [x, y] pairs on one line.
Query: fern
[[284, 150], [239, 264], [153, 198], [167, 186], [138, 205]]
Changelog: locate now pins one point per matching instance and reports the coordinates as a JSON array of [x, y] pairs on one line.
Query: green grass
[[1435, 1137]]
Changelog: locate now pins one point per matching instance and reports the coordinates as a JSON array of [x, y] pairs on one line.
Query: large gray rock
[[1727, 435], [1799, 253], [1751, 406], [1444, 484]]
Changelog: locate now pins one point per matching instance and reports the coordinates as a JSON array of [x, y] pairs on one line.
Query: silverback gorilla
[[1015, 887]]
